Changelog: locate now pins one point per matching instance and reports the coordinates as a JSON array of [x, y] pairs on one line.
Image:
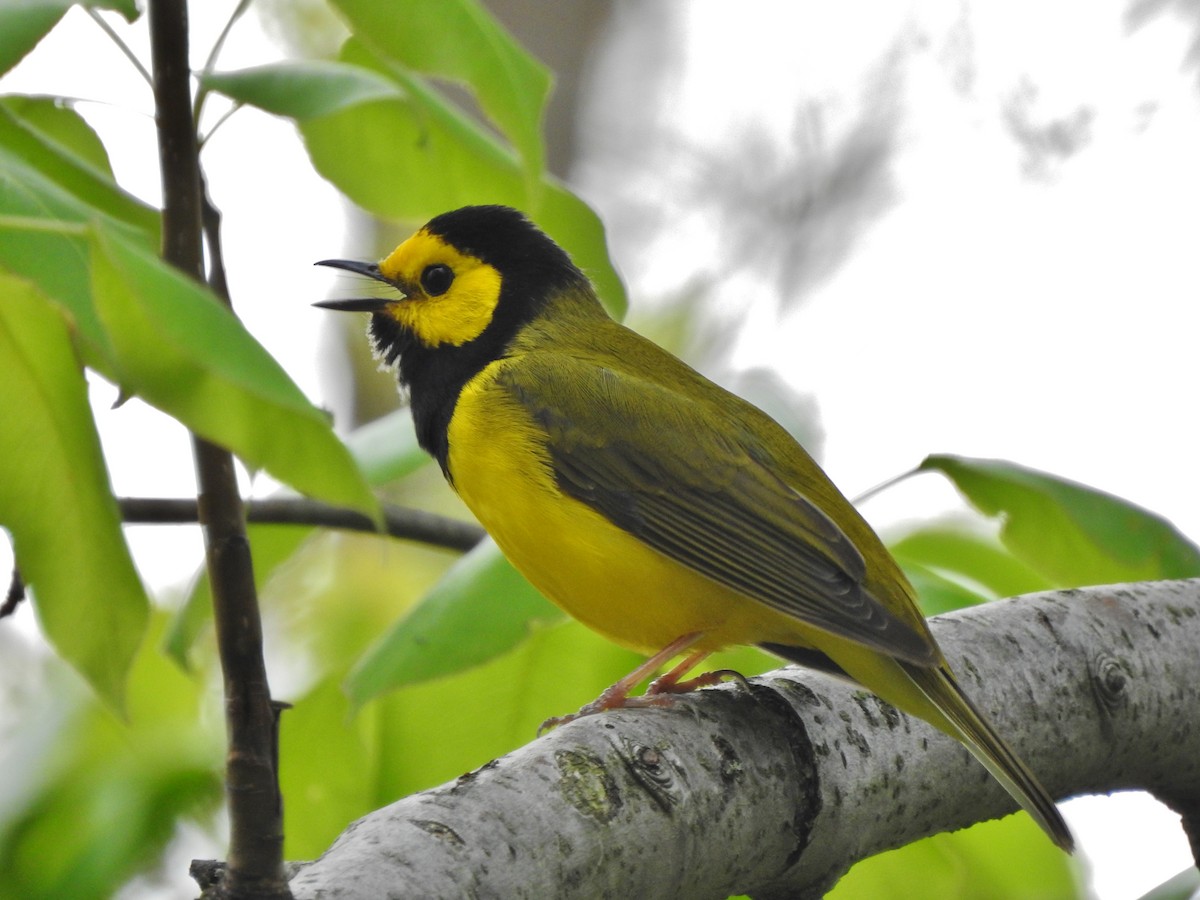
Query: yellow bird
[[664, 512]]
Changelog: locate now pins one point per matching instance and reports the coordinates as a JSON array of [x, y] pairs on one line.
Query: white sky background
[[1051, 321]]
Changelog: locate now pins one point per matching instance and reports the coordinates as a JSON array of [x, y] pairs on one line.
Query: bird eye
[[436, 279]]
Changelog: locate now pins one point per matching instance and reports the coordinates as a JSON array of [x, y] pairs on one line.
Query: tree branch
[[777, 791], [399, 521], [255, 806]]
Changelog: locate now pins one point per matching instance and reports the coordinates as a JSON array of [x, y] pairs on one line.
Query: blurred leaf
[[480, 609], [55, 497], [461, 41], [337, 766], [303, 89], [182, 351], [127, 8], [90, 187], [46, 226], [401, 150], [370, 580], [326, 772], [56, 121], [24, 24], [973, 864], [90, 833], [493, 708], [114, 791], [478, 713], [485, 711], [51, 252], [387, 449], [1071, 533], [415, 156], [270, 545], [979, 558], [937, 593], [1183, 886]]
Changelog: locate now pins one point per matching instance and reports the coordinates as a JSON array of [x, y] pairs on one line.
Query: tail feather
[[940, 688], [933, 694]]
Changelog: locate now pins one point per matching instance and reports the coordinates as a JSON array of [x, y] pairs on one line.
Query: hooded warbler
[[664, 512]]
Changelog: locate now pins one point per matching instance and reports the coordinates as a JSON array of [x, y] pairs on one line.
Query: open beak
[[360, 304]]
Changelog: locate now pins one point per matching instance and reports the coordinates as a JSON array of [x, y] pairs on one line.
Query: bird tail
[[969, 726], [933, 694]]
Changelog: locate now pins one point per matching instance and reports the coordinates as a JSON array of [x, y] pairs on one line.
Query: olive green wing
[[695, 483]]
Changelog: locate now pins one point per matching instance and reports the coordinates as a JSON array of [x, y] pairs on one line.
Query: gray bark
[[775, 791]]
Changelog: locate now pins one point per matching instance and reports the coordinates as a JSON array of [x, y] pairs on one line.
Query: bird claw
[[708, 679], [605, 702], [661, 693]]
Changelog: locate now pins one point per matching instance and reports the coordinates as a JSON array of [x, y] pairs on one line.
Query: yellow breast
[[595, 571]]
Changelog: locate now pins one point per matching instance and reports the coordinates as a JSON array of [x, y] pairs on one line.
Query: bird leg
[[617, 696]]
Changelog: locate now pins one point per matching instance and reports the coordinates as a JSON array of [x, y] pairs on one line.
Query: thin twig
[[399, 522], [255, 859], [211, 62], [882, 486], [210, 219], [121, 45], [225, 116]]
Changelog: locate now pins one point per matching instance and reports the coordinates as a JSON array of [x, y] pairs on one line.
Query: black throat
[[433, 376]]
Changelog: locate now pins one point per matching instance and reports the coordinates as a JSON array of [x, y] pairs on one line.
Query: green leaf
[[387, 448], [152, 330], [401, 150], [108, 795], [971, 864], [337, 765], [50, 202], [485, 711], [127, 8], [415, 156], [980, 559], [52, 253], [459, 40], [270, 545], [56, 121], [325, 769], [480, 609], [303, 90], [936, 592], [1181, 886], [93, 190], [1070, 533], [55, 497], [23, 24], [181, 350]]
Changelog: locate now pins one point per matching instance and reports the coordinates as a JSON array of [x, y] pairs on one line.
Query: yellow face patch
[[458, 315]]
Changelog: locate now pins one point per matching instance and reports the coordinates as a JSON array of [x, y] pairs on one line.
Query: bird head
[[472, 271]]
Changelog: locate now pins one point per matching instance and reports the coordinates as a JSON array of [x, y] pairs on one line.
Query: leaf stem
[[121, 45], [210, 63], [883, 486]]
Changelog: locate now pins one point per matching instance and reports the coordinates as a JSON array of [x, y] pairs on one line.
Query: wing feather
[[702, 490]]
